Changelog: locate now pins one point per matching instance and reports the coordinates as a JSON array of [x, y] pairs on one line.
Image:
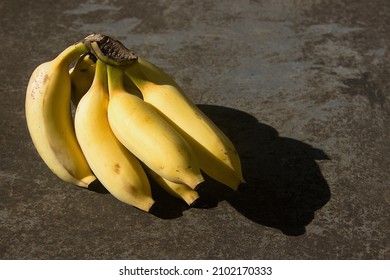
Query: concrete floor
[[301, 87]]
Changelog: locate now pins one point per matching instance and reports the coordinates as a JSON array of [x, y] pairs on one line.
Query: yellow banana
[[178, 190], [81, 76], [49, 119], [216, 154], [148, 136], [117, 169]]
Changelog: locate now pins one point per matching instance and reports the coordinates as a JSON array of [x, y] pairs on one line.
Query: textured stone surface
[[302, 89]]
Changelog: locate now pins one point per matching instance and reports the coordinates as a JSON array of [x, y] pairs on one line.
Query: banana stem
[[137, 76], [115, 79], [71, 53], [100, 78]]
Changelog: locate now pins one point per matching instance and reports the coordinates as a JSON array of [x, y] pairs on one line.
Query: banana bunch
[[132, 124]]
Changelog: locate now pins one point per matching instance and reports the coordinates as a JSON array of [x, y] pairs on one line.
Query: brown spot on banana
[[38, 84], [117, 168]]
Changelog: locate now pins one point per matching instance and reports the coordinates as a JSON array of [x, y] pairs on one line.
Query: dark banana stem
[[109, 50]]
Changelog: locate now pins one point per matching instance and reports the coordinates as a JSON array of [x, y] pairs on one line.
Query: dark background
[[301, 88]]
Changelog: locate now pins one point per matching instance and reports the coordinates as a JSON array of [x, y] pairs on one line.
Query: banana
[[178, 190], [49, 120], [148, 136], [115, 167], [81, 76], [216, 154]]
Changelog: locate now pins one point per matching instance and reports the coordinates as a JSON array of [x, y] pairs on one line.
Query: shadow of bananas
[[284, 183]]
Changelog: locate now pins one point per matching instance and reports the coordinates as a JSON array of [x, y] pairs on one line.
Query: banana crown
[[109, 50]]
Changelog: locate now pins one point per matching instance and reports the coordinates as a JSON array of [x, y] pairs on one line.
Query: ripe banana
[[49, 120], [81, 76], [116, 168], [148, 136], [216, 154], [178, 190]]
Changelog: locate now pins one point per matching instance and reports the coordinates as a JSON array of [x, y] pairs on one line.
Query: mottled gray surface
[[301, 87]]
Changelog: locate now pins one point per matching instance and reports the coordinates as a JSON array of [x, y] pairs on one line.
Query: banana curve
[[49, 121]]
